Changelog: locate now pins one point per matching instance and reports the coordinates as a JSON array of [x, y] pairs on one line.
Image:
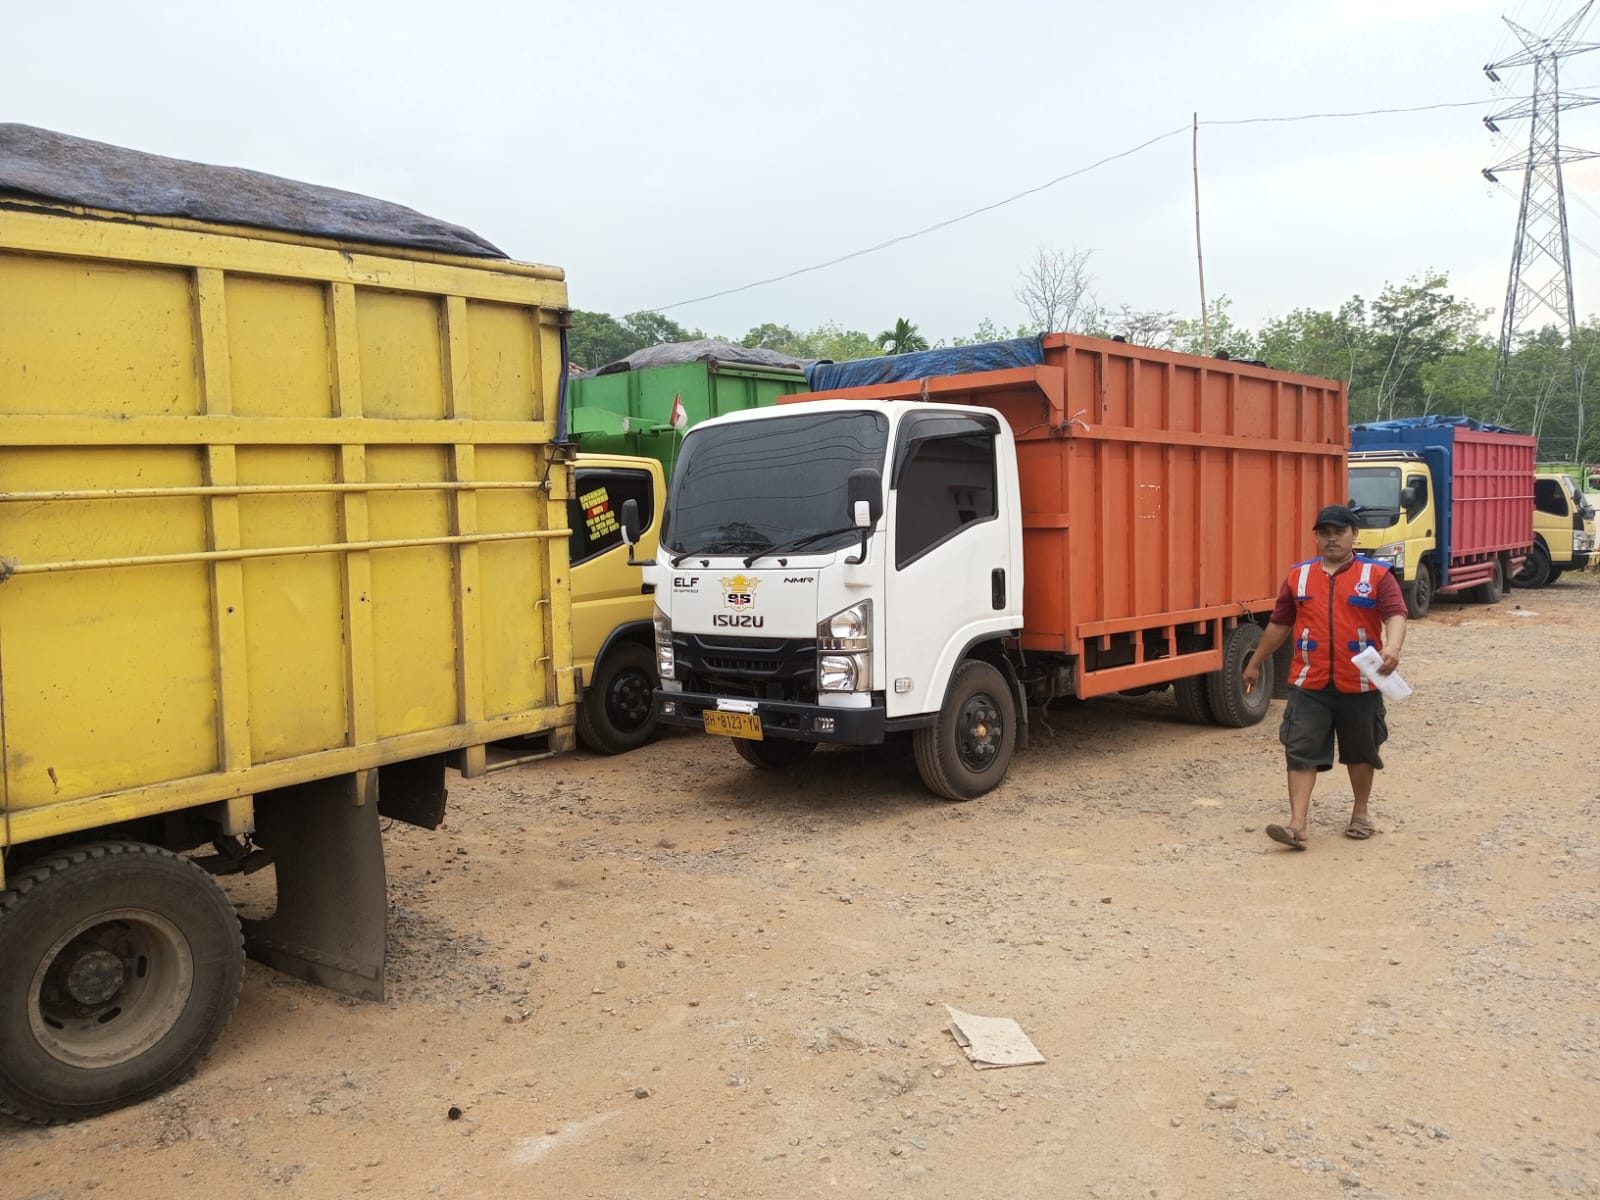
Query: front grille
[[757, 668]]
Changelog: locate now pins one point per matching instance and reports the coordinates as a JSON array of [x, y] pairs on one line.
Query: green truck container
[[630, 412]]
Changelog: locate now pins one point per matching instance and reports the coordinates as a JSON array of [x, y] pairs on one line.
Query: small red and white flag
[[680, 418]]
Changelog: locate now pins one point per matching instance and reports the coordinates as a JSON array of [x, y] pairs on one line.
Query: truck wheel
[[773, 753], [1535, 571], [1419, 593], [618, 713], [966, 752], [1490, 593], [122, 966], [1194, 704], [1232, 705]]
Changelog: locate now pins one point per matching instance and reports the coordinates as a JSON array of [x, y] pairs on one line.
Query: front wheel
[[617, 713], [1535, 571], [1419, 593], [967, 750], [122, 966]]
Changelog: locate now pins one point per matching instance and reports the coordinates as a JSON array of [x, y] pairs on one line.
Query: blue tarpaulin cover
[[1435, 422], [926, 364]]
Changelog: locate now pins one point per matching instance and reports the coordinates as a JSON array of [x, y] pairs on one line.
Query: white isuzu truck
[[929, 555]]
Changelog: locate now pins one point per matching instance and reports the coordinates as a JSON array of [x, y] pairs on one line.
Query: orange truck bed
[[1161, 493]]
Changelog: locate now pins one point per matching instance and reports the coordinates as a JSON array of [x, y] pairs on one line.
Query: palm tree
[[902, 339]]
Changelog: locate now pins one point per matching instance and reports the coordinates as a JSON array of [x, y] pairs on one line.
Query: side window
[[1547, 496], [1419, 495], [595, 512], [944, 484]]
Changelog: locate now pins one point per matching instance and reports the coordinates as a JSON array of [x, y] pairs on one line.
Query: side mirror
[[864, 493], [1408, 496], [630, 522]]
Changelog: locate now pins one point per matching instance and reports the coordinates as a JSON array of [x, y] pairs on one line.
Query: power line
[[1012, 199]]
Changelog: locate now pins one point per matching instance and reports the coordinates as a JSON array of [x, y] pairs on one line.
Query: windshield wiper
[[804, 539], [719, 547]]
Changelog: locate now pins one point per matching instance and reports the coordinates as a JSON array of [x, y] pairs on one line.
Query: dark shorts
[[1311, 719]]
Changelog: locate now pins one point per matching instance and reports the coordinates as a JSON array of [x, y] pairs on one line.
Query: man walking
[[1335, 606]]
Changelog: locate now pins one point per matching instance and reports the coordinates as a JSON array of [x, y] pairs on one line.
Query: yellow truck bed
[[279, 510]]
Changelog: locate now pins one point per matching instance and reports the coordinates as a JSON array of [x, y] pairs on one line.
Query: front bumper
[[1580, 560], [782, 718]]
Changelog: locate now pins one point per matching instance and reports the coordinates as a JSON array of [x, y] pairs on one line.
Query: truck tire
[[1535, 572], [967, 750], [1419, 593], [1194, 701], [773, 753], [123, 963], [618, 713], [1231, 705], [1490, 593]]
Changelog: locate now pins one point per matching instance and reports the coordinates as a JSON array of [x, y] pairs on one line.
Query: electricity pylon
[[1541, 259]]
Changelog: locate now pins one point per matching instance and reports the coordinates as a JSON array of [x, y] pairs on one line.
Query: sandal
[[1287, 836], [1360, 829]]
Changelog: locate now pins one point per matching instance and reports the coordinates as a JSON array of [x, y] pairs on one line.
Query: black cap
[[1335, 514]]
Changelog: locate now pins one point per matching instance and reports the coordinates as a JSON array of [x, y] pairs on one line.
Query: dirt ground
[[667, 975]]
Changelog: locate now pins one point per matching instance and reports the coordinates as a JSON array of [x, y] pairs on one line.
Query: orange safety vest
[[1336, 616]]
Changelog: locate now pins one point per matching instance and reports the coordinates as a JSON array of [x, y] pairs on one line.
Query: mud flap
[[329, 926]]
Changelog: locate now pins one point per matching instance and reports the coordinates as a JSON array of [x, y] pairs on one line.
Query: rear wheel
[[617, 713], [966, 752], [1230, 703], [1490, 592], [122, 966], [773, 753], [1536, 571], [1419, 593], [1194, 700]]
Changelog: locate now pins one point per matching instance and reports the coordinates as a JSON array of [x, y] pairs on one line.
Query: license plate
[[733, 724]]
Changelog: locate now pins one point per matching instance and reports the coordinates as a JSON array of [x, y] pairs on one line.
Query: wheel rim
[[110, 988], [629, 700], [979, 732]]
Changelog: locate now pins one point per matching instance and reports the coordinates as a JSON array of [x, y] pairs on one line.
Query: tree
[[902, 339], [988, 331], [652, 329], [1141, 327], [1218, 331], [770, 337], [598, 338], [1055, 290]]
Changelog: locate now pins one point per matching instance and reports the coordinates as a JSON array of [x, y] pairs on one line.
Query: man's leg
[[1361, 775], [1300, 785]]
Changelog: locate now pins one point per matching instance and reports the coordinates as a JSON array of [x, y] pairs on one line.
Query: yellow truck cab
[[1400, 534], [613, 643], [1563, 530]]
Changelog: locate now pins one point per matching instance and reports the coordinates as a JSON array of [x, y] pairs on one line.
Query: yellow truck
[[613, 633], [284, 495], [1563, 530]]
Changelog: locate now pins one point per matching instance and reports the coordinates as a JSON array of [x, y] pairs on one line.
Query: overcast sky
[[661, 152]]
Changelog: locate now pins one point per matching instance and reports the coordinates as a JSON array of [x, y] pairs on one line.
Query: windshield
[[1375, 495], [757, 484]]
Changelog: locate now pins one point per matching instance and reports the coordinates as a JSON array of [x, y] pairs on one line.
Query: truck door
[[949, 567]]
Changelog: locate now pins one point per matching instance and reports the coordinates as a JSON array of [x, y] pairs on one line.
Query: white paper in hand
[[1391, 685]]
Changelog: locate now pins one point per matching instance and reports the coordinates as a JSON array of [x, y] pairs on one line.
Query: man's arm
[[1394, 636], [1392, 608], [1275, 636]]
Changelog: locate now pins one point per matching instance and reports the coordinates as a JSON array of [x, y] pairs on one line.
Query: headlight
[[1583, 542], [848, 629], [664, 658], [844, 650], [839, 672], [1394, 554]]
